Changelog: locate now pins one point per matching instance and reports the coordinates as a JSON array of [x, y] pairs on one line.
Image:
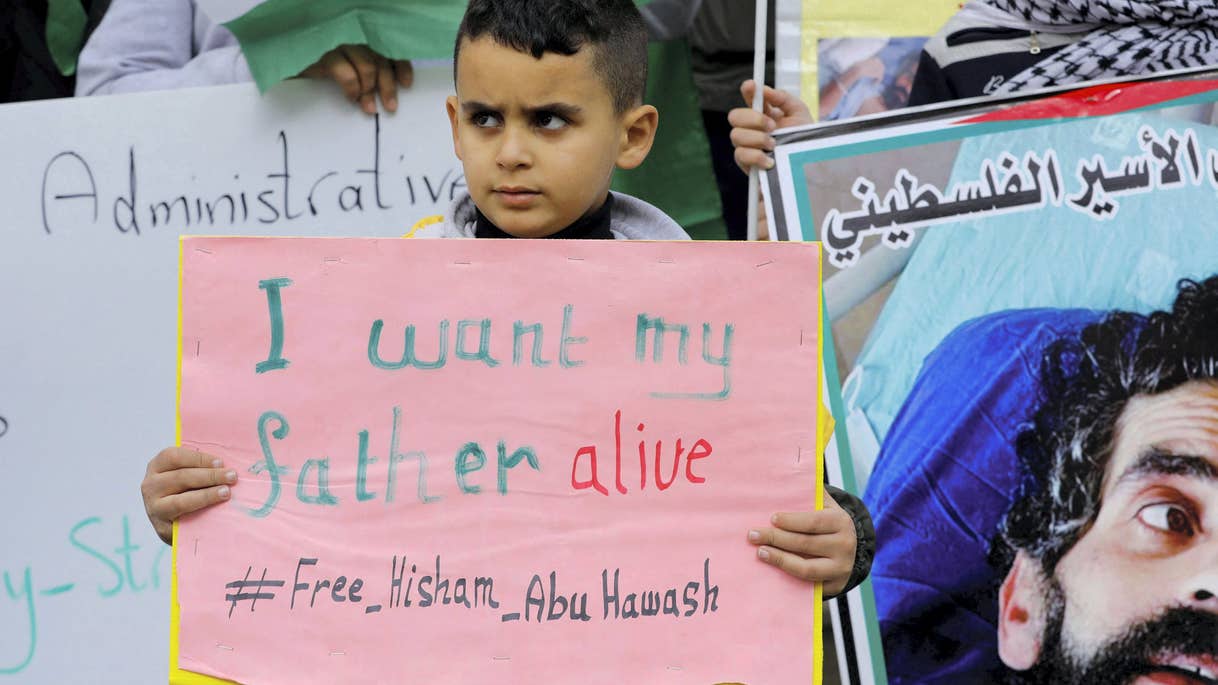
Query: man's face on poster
[[1135, 600]]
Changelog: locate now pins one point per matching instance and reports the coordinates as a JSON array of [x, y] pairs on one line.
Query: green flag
[[281, 38], [66, 21]]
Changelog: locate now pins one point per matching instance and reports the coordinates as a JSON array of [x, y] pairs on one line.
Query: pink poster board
[[416, 425]]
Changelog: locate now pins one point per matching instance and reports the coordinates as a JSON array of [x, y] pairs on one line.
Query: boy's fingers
[[364, 61], [164, 530], [813, 570], [176, 506], [405, 72], [784, 101], [174, 458], [748, 158], [758, 140], [783, 105], [747, 89], [813, 522], [747, 118], [388, 84], [339, 68], [816, 546], [183, 480]]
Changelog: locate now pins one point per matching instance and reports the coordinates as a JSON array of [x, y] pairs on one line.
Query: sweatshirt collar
[[591, 226]]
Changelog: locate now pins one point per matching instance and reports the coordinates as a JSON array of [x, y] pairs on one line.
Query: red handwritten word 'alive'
[[700, 450]]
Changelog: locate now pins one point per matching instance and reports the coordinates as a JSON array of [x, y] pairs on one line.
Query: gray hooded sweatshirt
[[631, 219]]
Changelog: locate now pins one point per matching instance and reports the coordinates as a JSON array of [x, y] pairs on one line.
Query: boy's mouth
[[516, 196]]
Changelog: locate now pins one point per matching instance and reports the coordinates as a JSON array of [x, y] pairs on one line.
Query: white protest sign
[[95, 194]]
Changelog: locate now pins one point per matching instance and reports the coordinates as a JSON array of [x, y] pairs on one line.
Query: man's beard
[[1177, 632]]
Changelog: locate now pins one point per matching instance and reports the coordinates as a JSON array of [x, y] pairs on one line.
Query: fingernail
[[770, 125], [763, 554], [231, 476], [769, 163], [216, 463], [223, 492], [754, 536], [770, 143], [774, 519]]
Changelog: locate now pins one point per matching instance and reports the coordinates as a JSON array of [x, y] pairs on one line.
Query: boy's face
[[539, 138]]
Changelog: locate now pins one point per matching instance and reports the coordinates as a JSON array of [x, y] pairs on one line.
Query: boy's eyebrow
[[1158, 461], [562, 109], [475, 106]]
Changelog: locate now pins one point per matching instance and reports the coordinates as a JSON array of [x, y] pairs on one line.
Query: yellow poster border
[[824, 431]]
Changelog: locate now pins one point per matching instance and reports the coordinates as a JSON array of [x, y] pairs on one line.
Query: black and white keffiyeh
[[1123, 38]]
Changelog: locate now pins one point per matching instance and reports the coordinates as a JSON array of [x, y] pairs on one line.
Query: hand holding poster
[[546, 481]]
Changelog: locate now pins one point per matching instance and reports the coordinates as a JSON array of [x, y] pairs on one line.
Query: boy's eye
[[550, 122], [485, 120], [1168, 518]]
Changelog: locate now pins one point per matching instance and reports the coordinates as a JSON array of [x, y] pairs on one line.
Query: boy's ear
[[1022, 609], [454, 111], [638, 135]]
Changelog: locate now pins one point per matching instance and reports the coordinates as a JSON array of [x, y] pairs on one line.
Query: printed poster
[[1033, 411]]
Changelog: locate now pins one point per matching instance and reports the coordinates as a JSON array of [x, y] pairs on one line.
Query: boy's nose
[[513, 149]]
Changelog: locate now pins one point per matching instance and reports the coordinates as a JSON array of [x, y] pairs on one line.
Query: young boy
[[549, 100]]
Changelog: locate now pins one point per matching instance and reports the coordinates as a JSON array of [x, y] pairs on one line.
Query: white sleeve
[[150, 45]]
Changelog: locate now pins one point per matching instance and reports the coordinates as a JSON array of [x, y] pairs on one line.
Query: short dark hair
[[1086, 382], [614, 29]]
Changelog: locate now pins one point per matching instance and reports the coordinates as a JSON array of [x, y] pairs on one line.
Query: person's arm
[[150, 45], [864, 551], [930, 84]]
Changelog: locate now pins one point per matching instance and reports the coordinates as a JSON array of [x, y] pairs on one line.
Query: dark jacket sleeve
[[930, 84], [863, 528]]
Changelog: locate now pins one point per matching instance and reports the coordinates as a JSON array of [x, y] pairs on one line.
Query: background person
[[146, 45], [721, 36]]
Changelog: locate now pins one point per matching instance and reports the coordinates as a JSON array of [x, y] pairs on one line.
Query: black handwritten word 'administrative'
[[73, 193]]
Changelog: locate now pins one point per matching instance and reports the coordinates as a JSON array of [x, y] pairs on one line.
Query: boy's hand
[[363, 74], [751, 130], [816, 546], [180, 480]]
